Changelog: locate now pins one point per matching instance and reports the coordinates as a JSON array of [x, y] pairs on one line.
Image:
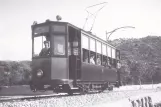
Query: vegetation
[[140, 60], [15, 73]]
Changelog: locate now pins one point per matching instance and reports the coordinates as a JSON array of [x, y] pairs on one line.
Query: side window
[[85, 42], [104, 58], [85, 56], [113, 53], [69, 49], [85, 47], [92, 57], [114, 63], [59, 45], [99, 52], [109, 51], [118, 65], [92, 45], [104, 51], [99, 59], [99, 47], [117, 54], [113, 57], [104, 61], [109, 59], [92, 51]]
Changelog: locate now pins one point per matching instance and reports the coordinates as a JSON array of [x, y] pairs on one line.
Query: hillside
[[140, 58], [15, 73]]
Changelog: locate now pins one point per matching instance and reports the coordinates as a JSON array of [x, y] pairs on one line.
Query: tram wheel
[[70, 92], [33, 88], [110, 88]]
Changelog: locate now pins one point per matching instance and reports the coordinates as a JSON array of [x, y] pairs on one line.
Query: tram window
[[114, 63], [69, 48], [92, 45], [58, 28], [113, 53], [85, 56], [40, 30], [117, 54], [109, 51], [104, 61], [59, 45], [92, 57], [85, 42], [41, 46], [99, 59], [104, 51], [109, 62], [98, 47]]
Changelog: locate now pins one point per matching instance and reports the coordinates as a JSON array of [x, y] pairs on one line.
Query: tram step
[[74, 88]]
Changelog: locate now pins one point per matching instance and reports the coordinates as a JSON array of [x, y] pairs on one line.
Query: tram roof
[[90, 35], [82, 31]]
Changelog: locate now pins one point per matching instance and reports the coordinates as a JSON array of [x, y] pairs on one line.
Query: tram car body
[[68, 65]]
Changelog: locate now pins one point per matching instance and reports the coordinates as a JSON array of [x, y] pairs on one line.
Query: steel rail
[[38, 97]]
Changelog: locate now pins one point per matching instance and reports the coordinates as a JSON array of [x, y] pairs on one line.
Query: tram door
[[74, 54]]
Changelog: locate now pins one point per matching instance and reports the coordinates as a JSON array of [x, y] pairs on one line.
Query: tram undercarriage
[[71, 87]]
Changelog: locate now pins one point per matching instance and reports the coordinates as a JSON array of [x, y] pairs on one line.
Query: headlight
[[39, 73]]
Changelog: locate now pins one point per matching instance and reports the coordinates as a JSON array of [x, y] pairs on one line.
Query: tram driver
[[45, 51]]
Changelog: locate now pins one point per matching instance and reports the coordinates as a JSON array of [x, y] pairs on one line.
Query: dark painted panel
[[91, 72], [45, 65], [59, 68], [72, 67], [110, 75], [98, 73]]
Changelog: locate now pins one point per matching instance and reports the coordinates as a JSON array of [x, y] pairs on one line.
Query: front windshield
[[41, 46], [41, 41]]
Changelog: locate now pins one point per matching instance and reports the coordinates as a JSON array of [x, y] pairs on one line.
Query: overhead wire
[[94, 14]]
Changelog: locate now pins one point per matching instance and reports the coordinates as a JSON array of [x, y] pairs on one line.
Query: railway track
[[38, 97], [21, 98]]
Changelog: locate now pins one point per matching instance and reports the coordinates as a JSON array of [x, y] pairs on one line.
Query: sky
[[17, 16]]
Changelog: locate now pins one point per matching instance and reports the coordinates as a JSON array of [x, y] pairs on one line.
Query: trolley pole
[[111, 32]]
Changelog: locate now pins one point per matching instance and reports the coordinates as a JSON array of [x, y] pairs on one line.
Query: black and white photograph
[[80, 53]]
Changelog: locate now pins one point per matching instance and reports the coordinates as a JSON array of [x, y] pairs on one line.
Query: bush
[[140, 59], [14, 73]]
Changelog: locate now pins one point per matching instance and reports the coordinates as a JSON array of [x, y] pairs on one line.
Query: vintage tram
[[67, 59]]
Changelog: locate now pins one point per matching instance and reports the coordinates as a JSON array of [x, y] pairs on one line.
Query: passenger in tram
[[86, 60], [45, 51], [104, 62], [98, 60], [118, 64], [92, 60], [108, 62]]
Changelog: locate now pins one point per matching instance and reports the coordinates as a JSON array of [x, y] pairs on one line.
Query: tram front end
[[49, 57]]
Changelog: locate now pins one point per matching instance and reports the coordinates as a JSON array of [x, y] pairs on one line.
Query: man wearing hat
[[45, 51]]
